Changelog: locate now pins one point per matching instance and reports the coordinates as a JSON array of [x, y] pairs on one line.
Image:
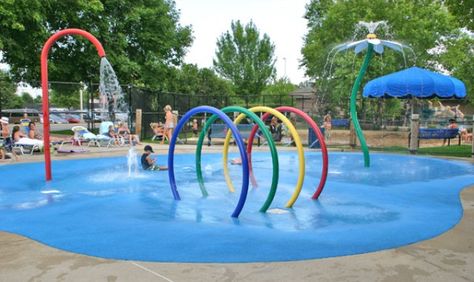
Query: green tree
[[26, 99], [8, 98], [419, 24], [277, 92], [142, 38], [282, 86], [189, 79], [245, 58], [463, 10], [37, 100], [65, 97], [458, 58]]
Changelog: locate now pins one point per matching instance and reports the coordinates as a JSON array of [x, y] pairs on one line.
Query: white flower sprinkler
[[371, 43]]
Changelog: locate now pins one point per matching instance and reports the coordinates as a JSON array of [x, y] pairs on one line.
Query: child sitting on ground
[[147, 162]]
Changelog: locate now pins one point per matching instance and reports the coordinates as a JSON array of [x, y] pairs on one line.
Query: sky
[[282, 20]]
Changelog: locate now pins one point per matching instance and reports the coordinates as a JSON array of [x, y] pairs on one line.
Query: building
[[304, 98]]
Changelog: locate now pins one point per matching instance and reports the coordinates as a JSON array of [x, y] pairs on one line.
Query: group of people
[[30, 136], [121, 134], [463, 132]]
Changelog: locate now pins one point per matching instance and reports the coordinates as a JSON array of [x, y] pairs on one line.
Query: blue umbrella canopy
[[415, 82]]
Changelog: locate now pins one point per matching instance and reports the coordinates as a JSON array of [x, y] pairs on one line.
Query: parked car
[[71, 118], [97, 118], [54, 118]]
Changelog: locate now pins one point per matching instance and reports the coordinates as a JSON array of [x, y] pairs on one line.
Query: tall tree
[[464, 12], [190, 79], [142, 38], [277, 92], [27, 99], [282, 86], [417, 23], [245, 58], [457, 57], [8, 98]]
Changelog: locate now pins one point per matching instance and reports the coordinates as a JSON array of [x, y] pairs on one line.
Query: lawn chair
[[158, 131], [27, 145], [103, 133], [82, 135]]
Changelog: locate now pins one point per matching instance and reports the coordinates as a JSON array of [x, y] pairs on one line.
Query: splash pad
[[98, 210]]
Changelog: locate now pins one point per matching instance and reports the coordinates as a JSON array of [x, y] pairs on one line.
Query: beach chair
[[27, 145], [103, 133], [158, 132], [82, 135]]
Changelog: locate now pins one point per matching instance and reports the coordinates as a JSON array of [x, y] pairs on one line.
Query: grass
[[463, 151], [70, 133]]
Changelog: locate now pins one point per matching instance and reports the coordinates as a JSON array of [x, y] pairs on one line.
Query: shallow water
[[93, 207]]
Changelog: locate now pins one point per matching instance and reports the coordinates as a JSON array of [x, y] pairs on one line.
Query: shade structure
[[415, 82]]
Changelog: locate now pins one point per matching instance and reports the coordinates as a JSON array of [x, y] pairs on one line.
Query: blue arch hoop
[[238, 140]]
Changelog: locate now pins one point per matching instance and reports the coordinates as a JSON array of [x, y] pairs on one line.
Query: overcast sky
[[282, 20]]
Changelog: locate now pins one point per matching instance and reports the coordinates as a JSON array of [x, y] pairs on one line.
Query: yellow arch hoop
[[296, 138]]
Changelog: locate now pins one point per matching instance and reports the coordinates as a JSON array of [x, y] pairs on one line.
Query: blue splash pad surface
[[101, 211]]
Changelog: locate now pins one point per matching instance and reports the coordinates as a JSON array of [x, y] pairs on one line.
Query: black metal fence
[[152, 102], [83, 99]]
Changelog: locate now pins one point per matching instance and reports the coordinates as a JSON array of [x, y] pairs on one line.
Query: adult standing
[[327, 124], [6, 135], [169, 123]]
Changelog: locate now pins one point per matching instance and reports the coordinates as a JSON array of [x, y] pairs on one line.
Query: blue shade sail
[[415, 82]]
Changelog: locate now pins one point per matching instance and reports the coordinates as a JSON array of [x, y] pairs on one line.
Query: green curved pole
[[271, 144], [355, 120]]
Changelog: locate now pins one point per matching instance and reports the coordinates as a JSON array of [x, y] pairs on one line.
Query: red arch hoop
[[44, 85], [319, 134]]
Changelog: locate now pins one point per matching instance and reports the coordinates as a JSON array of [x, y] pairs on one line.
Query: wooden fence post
[[414, 129], [138, 122]]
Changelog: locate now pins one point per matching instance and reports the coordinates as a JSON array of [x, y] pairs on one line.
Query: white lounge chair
[[103, 133], [30, 145], [82, 135]]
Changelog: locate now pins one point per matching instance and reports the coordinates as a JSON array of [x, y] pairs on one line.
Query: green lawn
[[463, 151], [69, 132]]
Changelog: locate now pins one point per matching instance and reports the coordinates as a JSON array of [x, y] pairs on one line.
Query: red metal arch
[[44, 85]]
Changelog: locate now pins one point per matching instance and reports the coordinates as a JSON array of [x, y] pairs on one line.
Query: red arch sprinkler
[[44, 85]]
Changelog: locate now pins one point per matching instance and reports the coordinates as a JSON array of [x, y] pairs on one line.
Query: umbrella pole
[[355, 120]]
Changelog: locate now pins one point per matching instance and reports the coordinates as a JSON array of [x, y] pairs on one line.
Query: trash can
[[313, 141]]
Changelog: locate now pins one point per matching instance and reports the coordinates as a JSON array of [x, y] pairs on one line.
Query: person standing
[[7, 145], [25, 122], [276, 129], [169, 123], [327, 125], [195, 127]]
